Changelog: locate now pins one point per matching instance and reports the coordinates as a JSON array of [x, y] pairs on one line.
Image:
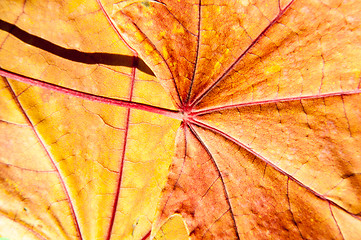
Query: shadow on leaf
[[72, 54]]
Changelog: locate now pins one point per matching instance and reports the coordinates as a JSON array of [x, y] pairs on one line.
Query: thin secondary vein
[[24, 224], [338, 227], [289, 206]]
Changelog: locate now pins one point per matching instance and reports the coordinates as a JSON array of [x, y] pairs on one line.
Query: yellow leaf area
[[173, 228], [270, 143], [72, 168]]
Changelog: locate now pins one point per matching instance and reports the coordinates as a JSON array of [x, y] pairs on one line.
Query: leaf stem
[[88, 96]]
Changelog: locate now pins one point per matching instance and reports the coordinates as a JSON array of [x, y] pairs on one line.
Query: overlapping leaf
[[271, 89]]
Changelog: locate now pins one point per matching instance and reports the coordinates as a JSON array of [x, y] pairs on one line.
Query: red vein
[[220, 175], [197, 51], [116, 199], [119, 182], [134, 65], [289, 206], [250, 150], [246, 104], [51, 160], [147, 235], [338, 227], [112, 101], [206, 91]]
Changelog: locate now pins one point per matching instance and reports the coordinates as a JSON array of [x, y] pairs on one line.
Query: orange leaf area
[[201, 119]]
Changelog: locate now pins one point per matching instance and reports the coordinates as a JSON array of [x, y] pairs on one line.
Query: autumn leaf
[[249, 127]]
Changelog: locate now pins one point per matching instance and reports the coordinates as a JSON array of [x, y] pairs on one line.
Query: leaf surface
[[90, 148], [254, 106]]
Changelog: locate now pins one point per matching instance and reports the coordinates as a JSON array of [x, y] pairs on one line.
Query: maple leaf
[[259, 97]]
